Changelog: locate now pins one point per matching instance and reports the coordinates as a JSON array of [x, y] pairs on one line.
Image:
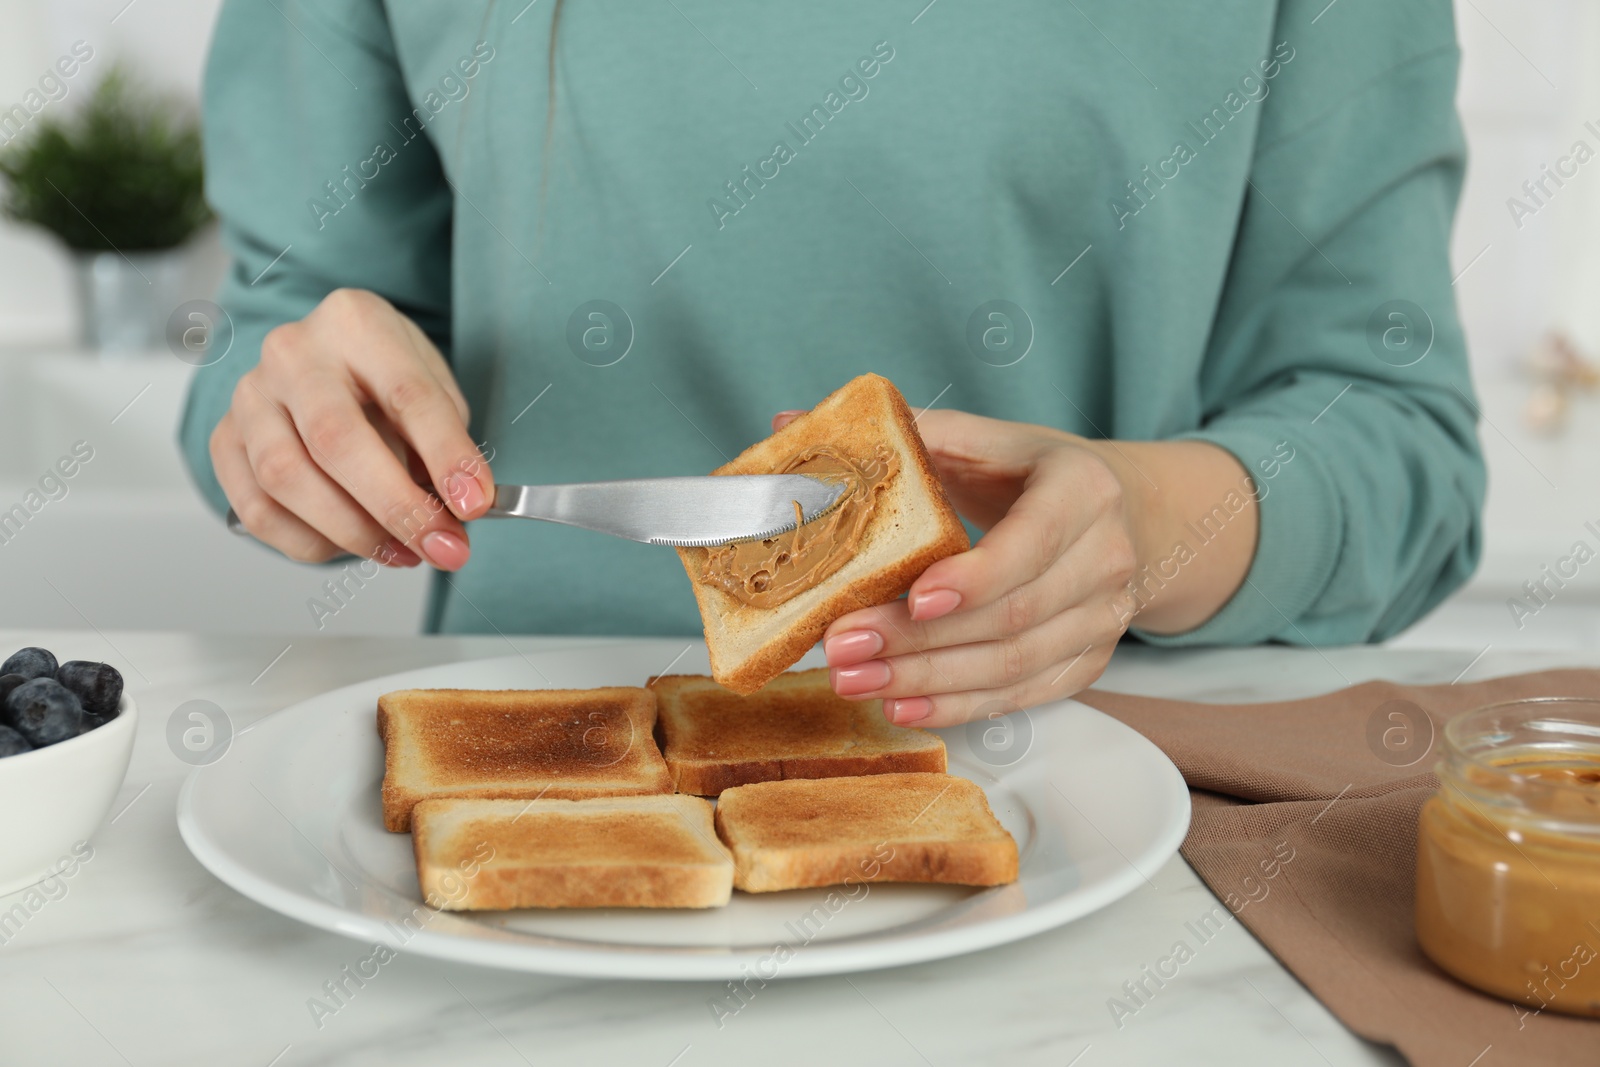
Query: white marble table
[[150, 960]]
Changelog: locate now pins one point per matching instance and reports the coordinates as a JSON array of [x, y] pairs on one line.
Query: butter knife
[[685, 512], [690, 512]]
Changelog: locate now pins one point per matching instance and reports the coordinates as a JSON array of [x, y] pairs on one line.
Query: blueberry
[[8, 682], [91, 721], [44, 711], [98, 685], [12, 743], [30, 663]]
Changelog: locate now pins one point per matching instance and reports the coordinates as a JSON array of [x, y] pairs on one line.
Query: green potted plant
[[120, 182]]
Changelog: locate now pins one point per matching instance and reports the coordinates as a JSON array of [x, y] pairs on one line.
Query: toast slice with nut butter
[[765, 603]]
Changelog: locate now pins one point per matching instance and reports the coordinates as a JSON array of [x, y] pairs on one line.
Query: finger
[[1062, 499], [285, 471], [406, 385], [350, 451], [425, 415], [1056, 682], [889, 630], [266, 520], [980, 664], [784, 418], [430, 355], [960, 441]]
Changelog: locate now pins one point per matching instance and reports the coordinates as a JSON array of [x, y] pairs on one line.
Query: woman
[[1176, 277]]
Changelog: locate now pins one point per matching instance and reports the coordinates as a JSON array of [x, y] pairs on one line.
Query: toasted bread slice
[[911, 526], [607, 852], [795, 727], [515, 743], [878, 828]]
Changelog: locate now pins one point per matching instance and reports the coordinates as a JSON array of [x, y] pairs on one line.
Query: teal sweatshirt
[[1143, 220]]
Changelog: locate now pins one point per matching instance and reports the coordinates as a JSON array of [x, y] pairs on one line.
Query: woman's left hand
[[1031, 613]]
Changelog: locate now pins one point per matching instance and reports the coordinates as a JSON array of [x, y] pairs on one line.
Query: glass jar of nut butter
[[1508, 854]]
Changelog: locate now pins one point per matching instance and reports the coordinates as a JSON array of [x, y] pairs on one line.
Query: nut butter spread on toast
[[765, 573]]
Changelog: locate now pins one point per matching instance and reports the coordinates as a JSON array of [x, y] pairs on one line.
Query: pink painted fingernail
[[852, 646], [464, 493], [903, 711], [868, 677], [931, 605], [445, 550]]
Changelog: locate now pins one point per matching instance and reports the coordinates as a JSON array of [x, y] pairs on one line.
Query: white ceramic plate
[[290, 817]]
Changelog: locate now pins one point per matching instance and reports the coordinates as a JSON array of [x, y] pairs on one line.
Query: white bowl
[[54, 797]]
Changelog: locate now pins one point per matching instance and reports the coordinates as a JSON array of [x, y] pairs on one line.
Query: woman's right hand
[[317, 451]]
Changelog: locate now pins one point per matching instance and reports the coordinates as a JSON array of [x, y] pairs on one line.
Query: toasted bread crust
[[475, 855], [714, 740], [877, 587], [974, 863], [413, 772], [709, 779], [800, 834], [597, 886]]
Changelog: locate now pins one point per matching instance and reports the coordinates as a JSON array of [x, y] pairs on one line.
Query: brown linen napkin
[[1340, 780]]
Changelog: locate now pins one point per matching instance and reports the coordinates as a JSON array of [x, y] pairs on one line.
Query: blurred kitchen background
[[130, 546]]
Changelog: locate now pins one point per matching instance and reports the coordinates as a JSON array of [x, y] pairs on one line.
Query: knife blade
[[690, 512]]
